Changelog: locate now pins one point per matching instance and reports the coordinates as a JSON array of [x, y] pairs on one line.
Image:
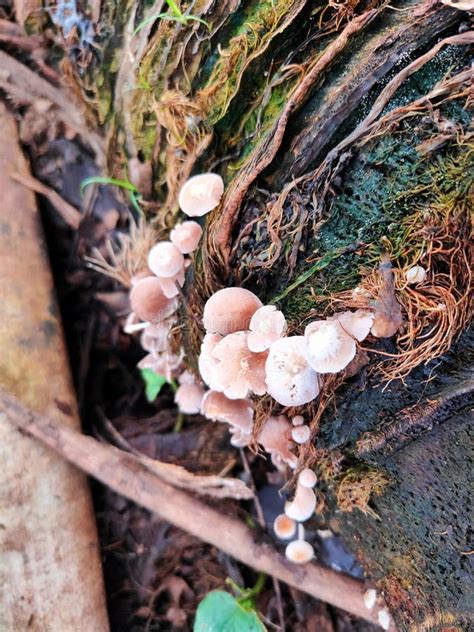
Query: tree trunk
[[342, 133]]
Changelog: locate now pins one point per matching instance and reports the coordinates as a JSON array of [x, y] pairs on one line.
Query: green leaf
[[220, 612], [153, 383]]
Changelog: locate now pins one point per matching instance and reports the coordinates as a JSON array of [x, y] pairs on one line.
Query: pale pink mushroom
[[186, 236], [299, 552], [356, 324], [187, 377], [370, 598], [200, 194], [275, 439], [208, 364], [134, 324], [165, 260], [238, 413], [329, 348], [155, 337], [189, 398], [266, 325], [284, 527], [167, 364], [307, 478], [301, 434], [230, 310], [171, 285], [298, 420], [149, 302], [301, 508], [239, 372], [290, 379]]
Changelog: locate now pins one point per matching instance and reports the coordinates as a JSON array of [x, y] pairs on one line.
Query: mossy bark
[[341, 131]]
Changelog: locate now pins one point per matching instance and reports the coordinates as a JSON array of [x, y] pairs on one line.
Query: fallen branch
[[125, 475]]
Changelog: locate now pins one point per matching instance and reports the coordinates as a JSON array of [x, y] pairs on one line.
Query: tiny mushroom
[[165, 260], [274, 437], [189, 398], [166, 363], [384, 618], [301, 508], [298, 420], [301, 434], [200, 194], [208, 364], [238, 413], [284, 527], [329, 348], [155, 337], [171, 285], [290, 379], [299, 552], [356, 324], [415, 274], [186, 236], [370, 598], [239, 372], [149, 302], [307, 478], [266, 325], [230, 310]]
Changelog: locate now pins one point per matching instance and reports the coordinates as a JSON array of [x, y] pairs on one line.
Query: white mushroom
[[301, 508], [165, 260], [189, 398], [266, 325], [301, 434], [186, 236], [200, 194], [415, 275], [208, 364], [384, 618], [284, 527], [370, 598], [299, 552], [307, 478], [329, 348], [356, 324], [290, 379], [298, 420]]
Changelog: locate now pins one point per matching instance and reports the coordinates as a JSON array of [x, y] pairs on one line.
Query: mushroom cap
[[274, 437], [307, 478], [328, 347], [298, 420], [165, 260], [167, 364], [155, 337], [236, 412], [149, 302], [186, 236], [171, 285], [384, 618], [187, 377], [266, 325], [189, 398], [239, 371], [415, 274], [200, 194], [301, 434], [284, 527], [356, 324], [290, 379], [370, 598], [301, 508], [230, 310], [299, 552], [208, 364]]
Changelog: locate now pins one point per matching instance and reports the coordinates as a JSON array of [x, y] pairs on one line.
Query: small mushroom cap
[[187, 377], [186, 236], [208, 364], [165, 260], [155, 337], [299, 552], [189, 398], [301, 434], [290, 379], [307, 478], [200, 194], [167, 364], [149, 302], [239, 372], [370, 598], [266, 325], [236, 412], [274, 437], [384, 618], [171, 285], [328, 347], [284, 527], [298, 420], [415, 274], [230, 310], [301, 508], [356, 324]]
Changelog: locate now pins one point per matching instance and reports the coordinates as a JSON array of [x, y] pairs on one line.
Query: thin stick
[[121, 472]]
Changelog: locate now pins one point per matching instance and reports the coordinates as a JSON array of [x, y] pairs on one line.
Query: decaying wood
[[50, 572], [125, 475]]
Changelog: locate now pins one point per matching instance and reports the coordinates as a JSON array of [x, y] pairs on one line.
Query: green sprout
[[123, 184], [176, 15]]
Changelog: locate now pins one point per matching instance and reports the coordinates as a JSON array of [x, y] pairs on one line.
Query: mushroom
[[384, 618], [155, 337], [415, 274], [370, 598], [298, 420], [299, 552], [284, 527], [230, 310], [266, 325], [239, 371], [189, 398], [274, 437], [307, 478], [165, 260], [186, 236], [149, 302], [171, 285], [200, 194], [356, 324], [329, 348], [208, 364], [301, 434], [167, 364], [301, 508], [236, 412], [290, 379]]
